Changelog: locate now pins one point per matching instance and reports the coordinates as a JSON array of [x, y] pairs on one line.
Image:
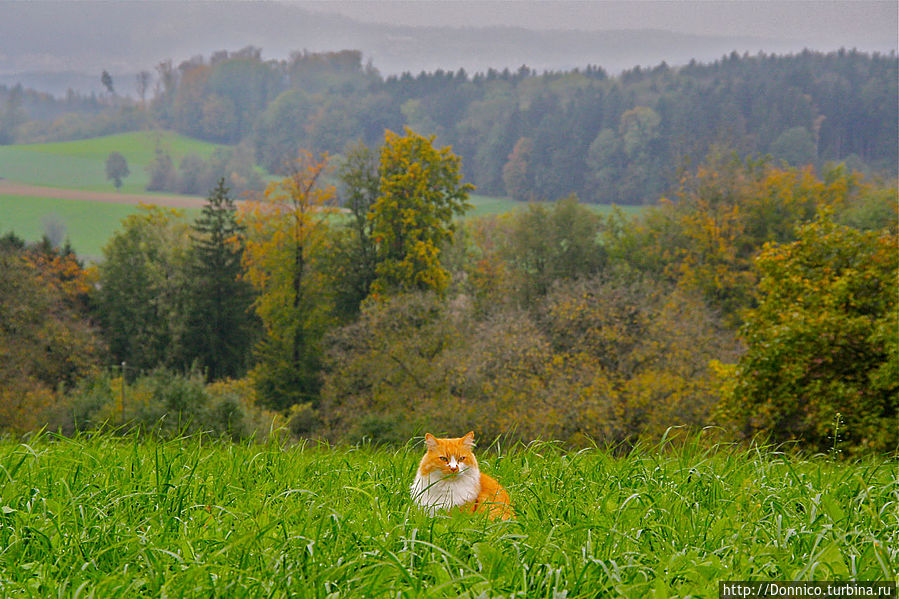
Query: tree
[[796, 146], [420, 193], [546, 245], [142, 81], [143, 285], [161, 171], [286, 235], [106, 80], [116, 168], [354, 249], [220, 328], [724, 213], [46, 337], [822, 359], [517, 173], [605, 161], [12, 115]]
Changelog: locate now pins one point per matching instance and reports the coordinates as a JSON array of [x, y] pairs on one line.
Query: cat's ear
[[468, 439], [430, 441]]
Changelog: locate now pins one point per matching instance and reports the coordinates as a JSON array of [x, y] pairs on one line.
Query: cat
[[448, 477]]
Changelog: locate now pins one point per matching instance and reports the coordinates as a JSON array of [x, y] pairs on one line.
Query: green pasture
[[82, 164], [87, 225], [99, 516]]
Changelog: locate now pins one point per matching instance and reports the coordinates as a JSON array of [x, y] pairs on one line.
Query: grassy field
[[107, 517], [87, 225], [82, 164]]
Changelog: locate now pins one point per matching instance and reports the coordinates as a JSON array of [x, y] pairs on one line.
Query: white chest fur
[[435, 492]]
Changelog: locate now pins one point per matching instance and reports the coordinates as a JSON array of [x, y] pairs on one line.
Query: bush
[[822, 366], [611, 361], [164, 404]]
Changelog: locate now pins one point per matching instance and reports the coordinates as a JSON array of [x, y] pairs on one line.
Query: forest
[[531, 136], [759, 299]]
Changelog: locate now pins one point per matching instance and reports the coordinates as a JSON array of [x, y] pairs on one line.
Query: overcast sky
[[861, 23]]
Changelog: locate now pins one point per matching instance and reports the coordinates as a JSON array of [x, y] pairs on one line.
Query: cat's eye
[[462, 458], [444, 458]]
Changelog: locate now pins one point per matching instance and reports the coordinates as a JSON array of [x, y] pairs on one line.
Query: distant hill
[[52, 46]]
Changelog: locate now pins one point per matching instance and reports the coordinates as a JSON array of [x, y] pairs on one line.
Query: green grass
[[88, 225], [107, 517], [82, 164], [486, 206]]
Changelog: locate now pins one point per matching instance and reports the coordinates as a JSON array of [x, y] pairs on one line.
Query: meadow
[[82, 164], [85, 224], [101, 516]]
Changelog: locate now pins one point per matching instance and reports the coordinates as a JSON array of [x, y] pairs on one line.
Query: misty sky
[[864, 24]]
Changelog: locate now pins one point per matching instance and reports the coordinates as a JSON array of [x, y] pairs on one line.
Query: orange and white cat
[[448, 477]]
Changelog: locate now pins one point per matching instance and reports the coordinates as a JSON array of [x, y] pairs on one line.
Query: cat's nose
[[454, 468]]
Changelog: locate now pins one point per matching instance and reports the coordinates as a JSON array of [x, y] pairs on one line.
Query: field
[[87, 225], [107, 517], [82, 164]]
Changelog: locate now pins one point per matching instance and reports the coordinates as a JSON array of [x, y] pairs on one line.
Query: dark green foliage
[[547, 245], [116, 168], [796, 146], [220, 327], [143, 287], [354, 247], [162, 403]]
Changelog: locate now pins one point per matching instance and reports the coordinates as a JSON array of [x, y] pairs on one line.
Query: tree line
[[759, 298], [530, 136]]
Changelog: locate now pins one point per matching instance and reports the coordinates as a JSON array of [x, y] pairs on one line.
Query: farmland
[[81, 164], [110, 517], [84, 205]]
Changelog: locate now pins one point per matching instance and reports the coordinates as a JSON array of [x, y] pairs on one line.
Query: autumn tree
[[421, 190], [46, 337], [220, 328], [822, 365], [721, 215], [286, 234], [517, 172]]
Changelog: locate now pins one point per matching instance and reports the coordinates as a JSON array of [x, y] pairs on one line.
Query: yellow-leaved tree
[[286, 233], [421, 190]]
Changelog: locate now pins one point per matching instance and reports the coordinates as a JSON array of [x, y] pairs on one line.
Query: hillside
[[81, 164]]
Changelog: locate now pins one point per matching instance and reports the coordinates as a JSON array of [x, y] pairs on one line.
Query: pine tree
[[221, 328]]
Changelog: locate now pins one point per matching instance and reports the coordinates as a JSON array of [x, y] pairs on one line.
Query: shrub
[[823, 353], [164, 404]]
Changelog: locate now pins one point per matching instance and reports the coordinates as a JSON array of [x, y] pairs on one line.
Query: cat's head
[[450, 457]]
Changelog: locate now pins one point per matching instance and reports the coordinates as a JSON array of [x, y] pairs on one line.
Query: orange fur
[[449, 477]]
